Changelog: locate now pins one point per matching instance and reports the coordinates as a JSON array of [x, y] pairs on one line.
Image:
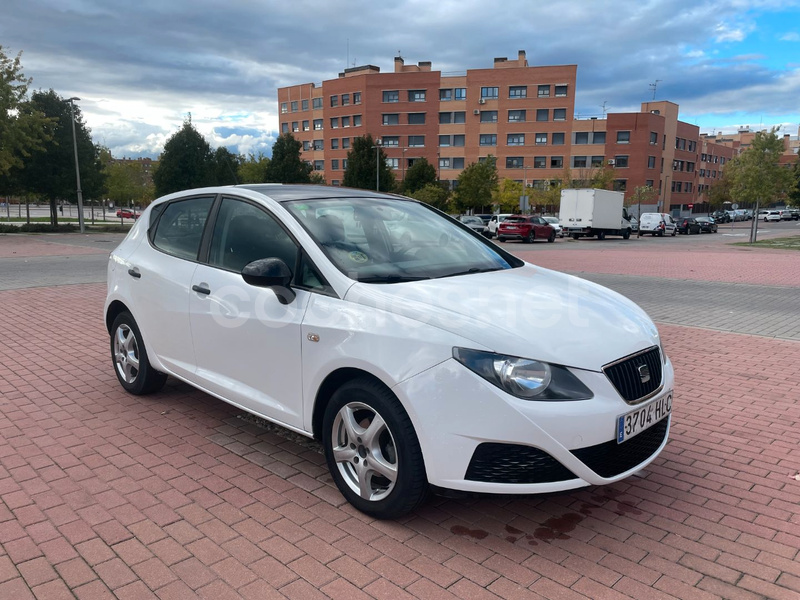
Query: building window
[[488, 139], [557, 139], [556, 162], [391, 96], [446, 95], [542, 114], [561, 90], [345, 99], [284, 128], [393, 163], [518, 91], [649, 183], [306, 145], [345, 145], [489, 93], [458, 140], [317, 124], [416, 141], [459, 117], [392, 141], [345, 121], [316, 103], [515, 139], [334, 165], [356, 97], [516, 115], [488, 116], [581, 137], [319, 165], [688, 188], [295, 126], [579, 162], [334, 143], [541, 139], [544, 91], [651, 162], [416, 95], [461, 93], [621, 161], [344, 164], [599, 137], [623, 137], [597, 161], [318, 144], [284, 107], [444, 140], [334, 101], [304, 105], [444, 163], [620, 185], [454, 117], [458, 163], [514, 162], [306, 126], [391, 119], [653, 138], [416, 118], [559, 114], [690, 167], [539, 162], [335, 123], [356, 120]]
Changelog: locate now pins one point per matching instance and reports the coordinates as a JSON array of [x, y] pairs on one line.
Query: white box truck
[[589, 212]]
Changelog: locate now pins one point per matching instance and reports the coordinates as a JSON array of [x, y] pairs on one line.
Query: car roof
[[285, 193]]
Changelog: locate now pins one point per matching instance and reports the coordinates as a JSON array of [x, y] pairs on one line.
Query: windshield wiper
[[390, 278], [471, 271]]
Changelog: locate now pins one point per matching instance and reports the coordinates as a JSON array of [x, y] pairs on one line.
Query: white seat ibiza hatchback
[[419, 353]]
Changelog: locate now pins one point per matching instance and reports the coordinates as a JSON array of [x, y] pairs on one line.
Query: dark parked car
[[526, 228], [688, 225], [721, 216], [707, 225], [474, 222]]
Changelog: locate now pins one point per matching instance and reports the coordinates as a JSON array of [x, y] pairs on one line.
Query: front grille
[[610, 458], [626, 376], [513, 463]]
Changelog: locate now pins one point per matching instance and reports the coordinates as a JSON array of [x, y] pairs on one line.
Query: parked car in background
[[688, 225], [795, 213], [772, 215], [707, 225], [494, 222], [658, 224], [634, 224], [555, 225], [527, 228], [474, 222], [430, 365], [125, 213], [485, 218], [786, 215], [721, 216]]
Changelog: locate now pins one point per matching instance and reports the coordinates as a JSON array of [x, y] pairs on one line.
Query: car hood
[[527, 311]]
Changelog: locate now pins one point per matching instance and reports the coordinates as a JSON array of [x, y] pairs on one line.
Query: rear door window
[[180, 228]]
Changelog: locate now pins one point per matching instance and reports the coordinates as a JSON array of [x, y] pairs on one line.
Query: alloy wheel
[[126, 353]]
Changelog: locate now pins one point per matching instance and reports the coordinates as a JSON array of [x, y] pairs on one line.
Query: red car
[[526, 228], [124, 213]]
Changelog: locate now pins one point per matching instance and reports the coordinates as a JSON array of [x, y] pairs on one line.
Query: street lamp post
[[77, 168], [377, 147]]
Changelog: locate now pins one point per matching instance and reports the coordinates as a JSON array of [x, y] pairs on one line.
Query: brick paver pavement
[[174, 496]]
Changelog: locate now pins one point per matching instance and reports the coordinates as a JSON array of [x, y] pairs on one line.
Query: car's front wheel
[[129, 355], [372, 450]]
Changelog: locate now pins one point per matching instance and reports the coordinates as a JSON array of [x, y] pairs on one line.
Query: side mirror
[[270, 273]]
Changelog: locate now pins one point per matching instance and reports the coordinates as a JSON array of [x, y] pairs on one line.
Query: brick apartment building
[[521, 114]]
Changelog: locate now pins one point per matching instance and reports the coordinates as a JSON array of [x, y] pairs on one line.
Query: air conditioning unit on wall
[[482, 101], [476, 112], [611, 162]]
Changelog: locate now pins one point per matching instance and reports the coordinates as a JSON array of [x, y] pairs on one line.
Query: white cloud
[[792, 36]]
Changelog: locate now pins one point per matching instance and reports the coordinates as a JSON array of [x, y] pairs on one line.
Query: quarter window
[[180, 227]]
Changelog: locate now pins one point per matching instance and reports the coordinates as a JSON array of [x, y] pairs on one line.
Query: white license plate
[[644, 417]]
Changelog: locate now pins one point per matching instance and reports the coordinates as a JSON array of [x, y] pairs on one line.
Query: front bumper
[[466, 425]]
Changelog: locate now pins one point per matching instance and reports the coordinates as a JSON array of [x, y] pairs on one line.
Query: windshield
[[390, 240]]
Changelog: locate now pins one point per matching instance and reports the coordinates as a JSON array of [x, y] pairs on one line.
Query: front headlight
[[522, 377]]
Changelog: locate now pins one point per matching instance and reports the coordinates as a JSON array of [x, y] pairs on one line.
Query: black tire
[[127, 344], [674, 231], [601, 235], [660, 233], [528, 239], [364, 398], [552, 237], [501, 238], [576, 236], [626, 235]]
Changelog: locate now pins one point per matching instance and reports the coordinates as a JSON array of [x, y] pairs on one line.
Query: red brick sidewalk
[[24, 246], [171, 496]]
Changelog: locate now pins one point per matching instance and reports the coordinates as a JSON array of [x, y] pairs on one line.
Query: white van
[[658, 224]]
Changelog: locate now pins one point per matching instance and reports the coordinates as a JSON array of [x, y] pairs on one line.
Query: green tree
[[224, 166], [506, 195], [286, 166], [50, 170], [719, 193], [253, 169], [23, 128], [420, 174], [756, 175], [794, 192], [185, 162], [603, 178], [363, 161], [476, 184], [127, 184], [433, 194]]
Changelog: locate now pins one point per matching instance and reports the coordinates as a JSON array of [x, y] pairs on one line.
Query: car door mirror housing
[[270, 273]]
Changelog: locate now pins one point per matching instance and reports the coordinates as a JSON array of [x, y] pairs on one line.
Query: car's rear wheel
[[129, 355], [601, 235], [552, 237], [576, 236], [372, 450], [626, 235]]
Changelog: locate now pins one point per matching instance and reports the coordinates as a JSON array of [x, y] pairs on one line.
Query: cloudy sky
[[141, 67]]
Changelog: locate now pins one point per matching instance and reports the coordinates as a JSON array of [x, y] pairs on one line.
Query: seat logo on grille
[[644, 373]]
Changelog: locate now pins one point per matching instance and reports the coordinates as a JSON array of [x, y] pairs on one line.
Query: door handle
[[201, 289], [134, 272]]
